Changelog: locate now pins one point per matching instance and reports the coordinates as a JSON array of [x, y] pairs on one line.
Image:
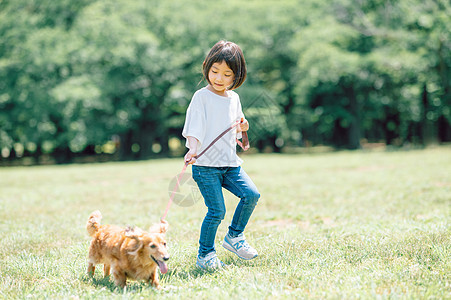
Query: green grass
[[333, 225]]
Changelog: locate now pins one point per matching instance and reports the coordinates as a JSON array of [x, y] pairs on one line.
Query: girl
[[213, 109]]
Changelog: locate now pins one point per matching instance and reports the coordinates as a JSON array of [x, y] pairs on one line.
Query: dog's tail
[[93, 222]]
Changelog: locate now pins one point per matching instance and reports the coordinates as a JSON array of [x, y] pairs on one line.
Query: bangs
[[232, 55]]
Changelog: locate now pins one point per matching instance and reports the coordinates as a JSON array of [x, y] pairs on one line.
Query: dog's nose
[[166, 258]]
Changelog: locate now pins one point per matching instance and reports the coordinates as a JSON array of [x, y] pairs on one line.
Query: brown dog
[[129, 253]]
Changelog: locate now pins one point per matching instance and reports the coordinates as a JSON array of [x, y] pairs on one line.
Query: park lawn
[[328, 225]]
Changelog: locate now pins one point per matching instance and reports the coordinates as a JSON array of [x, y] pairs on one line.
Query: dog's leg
[[91, 269], [106, 270], [119, 278], [153, 279]]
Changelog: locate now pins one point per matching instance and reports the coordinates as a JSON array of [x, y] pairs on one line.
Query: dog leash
[[244, 145]]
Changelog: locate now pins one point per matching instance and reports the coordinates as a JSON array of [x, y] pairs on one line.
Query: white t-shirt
[[208, 115]]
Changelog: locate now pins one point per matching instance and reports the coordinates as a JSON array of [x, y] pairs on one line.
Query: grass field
[[341, 225]]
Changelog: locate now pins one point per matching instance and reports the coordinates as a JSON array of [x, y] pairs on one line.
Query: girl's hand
[[243, 126], [190, 157]]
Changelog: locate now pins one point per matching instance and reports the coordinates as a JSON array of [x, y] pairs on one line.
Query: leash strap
[[244, 145], [171, 199], [217, 139]]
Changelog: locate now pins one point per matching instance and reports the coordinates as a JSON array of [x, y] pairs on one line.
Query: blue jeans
[[211, 180]]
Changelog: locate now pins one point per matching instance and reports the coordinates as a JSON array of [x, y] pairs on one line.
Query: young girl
[[212, 110]]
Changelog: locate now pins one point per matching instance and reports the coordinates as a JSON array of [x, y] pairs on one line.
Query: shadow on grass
[[103, 282], [181, 274], [185, 274], [193, 272], [108, 284], [136, 287]]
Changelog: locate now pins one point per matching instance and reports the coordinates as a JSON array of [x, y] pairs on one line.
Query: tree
[[32, 56], [409, 43], [76, 77]]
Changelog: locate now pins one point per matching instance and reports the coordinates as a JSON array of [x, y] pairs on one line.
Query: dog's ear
[[164, 226], [159, 228], [134, 233]]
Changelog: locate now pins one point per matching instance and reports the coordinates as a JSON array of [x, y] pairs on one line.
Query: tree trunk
[[125, 145], [429, 127], [354, 132]]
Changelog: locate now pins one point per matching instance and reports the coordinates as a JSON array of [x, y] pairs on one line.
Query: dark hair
[[233, 56]]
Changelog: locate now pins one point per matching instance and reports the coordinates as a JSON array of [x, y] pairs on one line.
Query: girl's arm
[[192, 152]]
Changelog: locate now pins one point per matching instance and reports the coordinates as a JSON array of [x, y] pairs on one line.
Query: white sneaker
[[209, 262], [240, 247]]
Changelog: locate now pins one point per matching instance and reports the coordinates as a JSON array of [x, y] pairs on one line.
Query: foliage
[[77, 75]]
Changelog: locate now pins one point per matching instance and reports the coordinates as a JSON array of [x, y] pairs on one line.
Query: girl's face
[[220, 77]]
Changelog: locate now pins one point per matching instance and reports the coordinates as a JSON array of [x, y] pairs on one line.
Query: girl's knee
[[221, 215], [217, 214], [252, 196]]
